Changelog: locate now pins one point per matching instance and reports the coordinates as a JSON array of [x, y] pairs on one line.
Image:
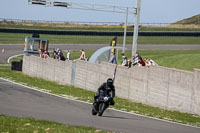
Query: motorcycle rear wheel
[[94, 112]]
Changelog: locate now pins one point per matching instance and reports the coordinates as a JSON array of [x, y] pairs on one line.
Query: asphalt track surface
[[14, 49], [20, 101]]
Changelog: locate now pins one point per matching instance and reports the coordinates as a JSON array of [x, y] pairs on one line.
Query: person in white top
[[149, 62], [68, 55]]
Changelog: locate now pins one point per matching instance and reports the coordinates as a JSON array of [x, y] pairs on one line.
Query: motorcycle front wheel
[[102, 107]]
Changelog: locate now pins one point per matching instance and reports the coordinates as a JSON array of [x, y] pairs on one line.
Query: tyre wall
[[167, 88]]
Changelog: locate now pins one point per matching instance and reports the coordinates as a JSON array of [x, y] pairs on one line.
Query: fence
[[74, 23], [13, 31], [157, 86]]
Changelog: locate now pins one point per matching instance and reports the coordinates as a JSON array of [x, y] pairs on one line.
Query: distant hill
[[192, 20]]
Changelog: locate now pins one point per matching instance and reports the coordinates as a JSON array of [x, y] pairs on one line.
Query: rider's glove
[[105, 98]]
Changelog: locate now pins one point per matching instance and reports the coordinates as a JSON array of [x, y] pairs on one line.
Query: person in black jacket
[[107, 88], [61, 56]]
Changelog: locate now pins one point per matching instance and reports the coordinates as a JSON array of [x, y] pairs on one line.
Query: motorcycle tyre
[[102, 107], [94, 112]]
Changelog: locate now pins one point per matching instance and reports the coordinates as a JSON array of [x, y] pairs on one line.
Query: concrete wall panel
[[122, 82], [180, 85], [158, 86], [138, 90], [81, 74], [196, 92]]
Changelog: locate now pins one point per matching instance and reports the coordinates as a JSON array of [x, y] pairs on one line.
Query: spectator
[[55, 56], [68, 55], [45, 55], [125, 61], [57, 50], [61, 56], [137, 57], [149, 62], [113, 59], [141, 62], [83, 56], [129, 63], [123, 55], [41, 53], [134, 62]]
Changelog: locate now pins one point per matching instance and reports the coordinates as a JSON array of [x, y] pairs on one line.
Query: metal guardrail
[[97, 33], [78, 22]]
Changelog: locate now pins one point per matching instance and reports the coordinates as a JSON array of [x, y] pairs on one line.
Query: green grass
[[18, 58], [179, 59], [163, 29], [30, 125], [94, 28], [53, 27], [85, 95], [14, 38]]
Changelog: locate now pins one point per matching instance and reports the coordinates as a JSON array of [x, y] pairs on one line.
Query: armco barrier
[[97, 33], [167, 88]]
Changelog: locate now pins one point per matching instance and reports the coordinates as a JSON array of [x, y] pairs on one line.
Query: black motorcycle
[[102, 103]]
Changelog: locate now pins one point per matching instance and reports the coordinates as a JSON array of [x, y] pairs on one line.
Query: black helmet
[[109, 82]]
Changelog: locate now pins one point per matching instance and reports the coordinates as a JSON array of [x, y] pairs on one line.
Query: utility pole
[[125, 30], [136, 26]]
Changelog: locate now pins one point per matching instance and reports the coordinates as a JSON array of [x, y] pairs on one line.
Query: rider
[[108, 88]]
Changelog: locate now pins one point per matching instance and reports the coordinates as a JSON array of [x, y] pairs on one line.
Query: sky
[[152, 11]]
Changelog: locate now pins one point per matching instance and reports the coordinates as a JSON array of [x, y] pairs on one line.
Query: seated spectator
[[137, 57], [123, 55], [149, 62], [45, 55], [129, 63], [55, 56], [61, 56], [141, 62], [125, 61], [83, 56], [134, 62]]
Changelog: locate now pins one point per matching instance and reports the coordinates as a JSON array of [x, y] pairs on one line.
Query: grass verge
[[16, 38], [84, 95], [88, 27], [30, 125], [179, 59]]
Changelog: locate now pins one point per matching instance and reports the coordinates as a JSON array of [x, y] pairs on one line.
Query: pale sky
[[152, 11]]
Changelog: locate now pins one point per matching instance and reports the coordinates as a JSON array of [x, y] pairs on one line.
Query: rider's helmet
[[109, 82]]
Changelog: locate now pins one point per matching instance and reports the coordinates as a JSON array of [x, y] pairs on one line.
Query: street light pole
[[125, 30], [136, 26]]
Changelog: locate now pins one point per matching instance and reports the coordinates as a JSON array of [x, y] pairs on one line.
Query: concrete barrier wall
[[157, 86], [49, 69], [195, 106]]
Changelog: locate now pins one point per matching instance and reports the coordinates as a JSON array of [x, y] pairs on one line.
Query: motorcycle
[[102, 103]]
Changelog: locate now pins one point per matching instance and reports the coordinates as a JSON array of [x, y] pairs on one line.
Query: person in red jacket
[[141, 62]]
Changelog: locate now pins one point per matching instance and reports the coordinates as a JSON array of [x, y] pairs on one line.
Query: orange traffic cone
[[3, 51]]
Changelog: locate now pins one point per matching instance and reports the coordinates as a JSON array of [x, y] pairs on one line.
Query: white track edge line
[[8, 61]]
